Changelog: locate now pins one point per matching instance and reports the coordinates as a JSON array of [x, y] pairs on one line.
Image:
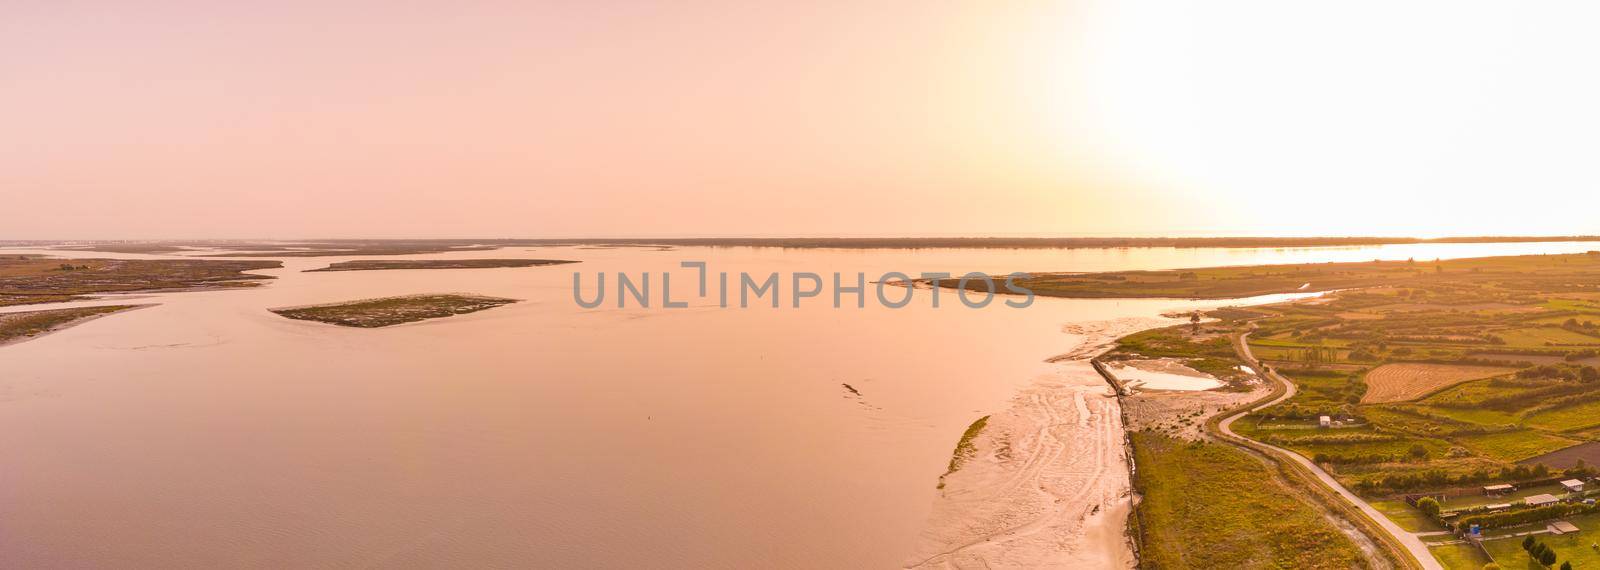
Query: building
[[1497, 490], [1541, 500], [1559, 528], [1573, 485], [1324, 421]]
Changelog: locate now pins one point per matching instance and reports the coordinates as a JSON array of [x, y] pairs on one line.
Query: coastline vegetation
[[965, 449], [21, 326], [383, 264], [387, 311], [1559, 273], [31, 279]]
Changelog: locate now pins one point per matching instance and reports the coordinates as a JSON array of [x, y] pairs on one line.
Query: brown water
[[208, 432]]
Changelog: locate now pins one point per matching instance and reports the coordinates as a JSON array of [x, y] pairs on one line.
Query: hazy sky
[[127, 119]]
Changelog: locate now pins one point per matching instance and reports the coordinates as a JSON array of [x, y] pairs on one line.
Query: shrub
[[1429, 506]]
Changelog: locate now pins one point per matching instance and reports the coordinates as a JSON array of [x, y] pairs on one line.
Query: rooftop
[[1543, 499]]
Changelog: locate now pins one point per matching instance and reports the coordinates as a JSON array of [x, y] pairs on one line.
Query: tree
[[1429, 507], [1527, 544], [1548, 558], [1566, 565], [1194, 321]]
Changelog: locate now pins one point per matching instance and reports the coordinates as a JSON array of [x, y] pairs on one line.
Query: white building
[[1541, 500], [1324, 421], [1573, 485]]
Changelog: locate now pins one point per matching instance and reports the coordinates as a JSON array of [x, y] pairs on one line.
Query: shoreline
[[1069, 502], [1066, 499], [68, 324]]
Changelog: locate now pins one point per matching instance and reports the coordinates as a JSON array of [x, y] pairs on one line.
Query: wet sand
[[1050, 486]]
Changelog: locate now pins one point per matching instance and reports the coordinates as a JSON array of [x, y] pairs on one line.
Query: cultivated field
[[1588, 453], [1405, 381]]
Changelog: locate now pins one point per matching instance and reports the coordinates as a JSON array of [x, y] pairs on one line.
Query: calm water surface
[[208, 432]]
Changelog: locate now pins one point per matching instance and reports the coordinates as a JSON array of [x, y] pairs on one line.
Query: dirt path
[[1409, 540]]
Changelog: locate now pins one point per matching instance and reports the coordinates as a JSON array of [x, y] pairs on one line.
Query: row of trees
[[1542, 553], [1437, 479], [1524, 516], [1585, 374]]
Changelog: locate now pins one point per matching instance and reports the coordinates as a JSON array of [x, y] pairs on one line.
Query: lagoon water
[[207, 432]]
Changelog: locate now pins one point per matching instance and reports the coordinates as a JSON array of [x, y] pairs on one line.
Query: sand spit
[[85, 314], [1048, 485]]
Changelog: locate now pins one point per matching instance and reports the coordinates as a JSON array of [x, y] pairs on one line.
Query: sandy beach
[[1049, 484]]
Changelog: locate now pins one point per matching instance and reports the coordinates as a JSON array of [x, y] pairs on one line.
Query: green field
[[1514, 445], [1460, 557], [1568, 418], [1577, 548], [1547, 336], [1406, 516], [1209, 505]]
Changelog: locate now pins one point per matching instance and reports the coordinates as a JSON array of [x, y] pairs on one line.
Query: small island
[[380, 264], [33, 279], [386, 311]]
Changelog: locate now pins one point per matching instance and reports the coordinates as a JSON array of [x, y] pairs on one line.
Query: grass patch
[[1575, 548], [1569, 418], [1406, 516], [1460, 556], [1209, 505], [1514, 445]]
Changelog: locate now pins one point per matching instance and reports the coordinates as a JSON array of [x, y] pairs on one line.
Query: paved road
[[1410, 540]]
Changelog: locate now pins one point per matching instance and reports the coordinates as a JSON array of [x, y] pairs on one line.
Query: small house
[[1541, 500], [1324, 421], [1498, 507], [1497, 490], [1573, 485]]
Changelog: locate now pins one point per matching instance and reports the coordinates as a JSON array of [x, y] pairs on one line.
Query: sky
[[291, 119]]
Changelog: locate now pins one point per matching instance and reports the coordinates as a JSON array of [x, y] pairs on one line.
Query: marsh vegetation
[[382, 264], [29, 279], [387, 311]]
